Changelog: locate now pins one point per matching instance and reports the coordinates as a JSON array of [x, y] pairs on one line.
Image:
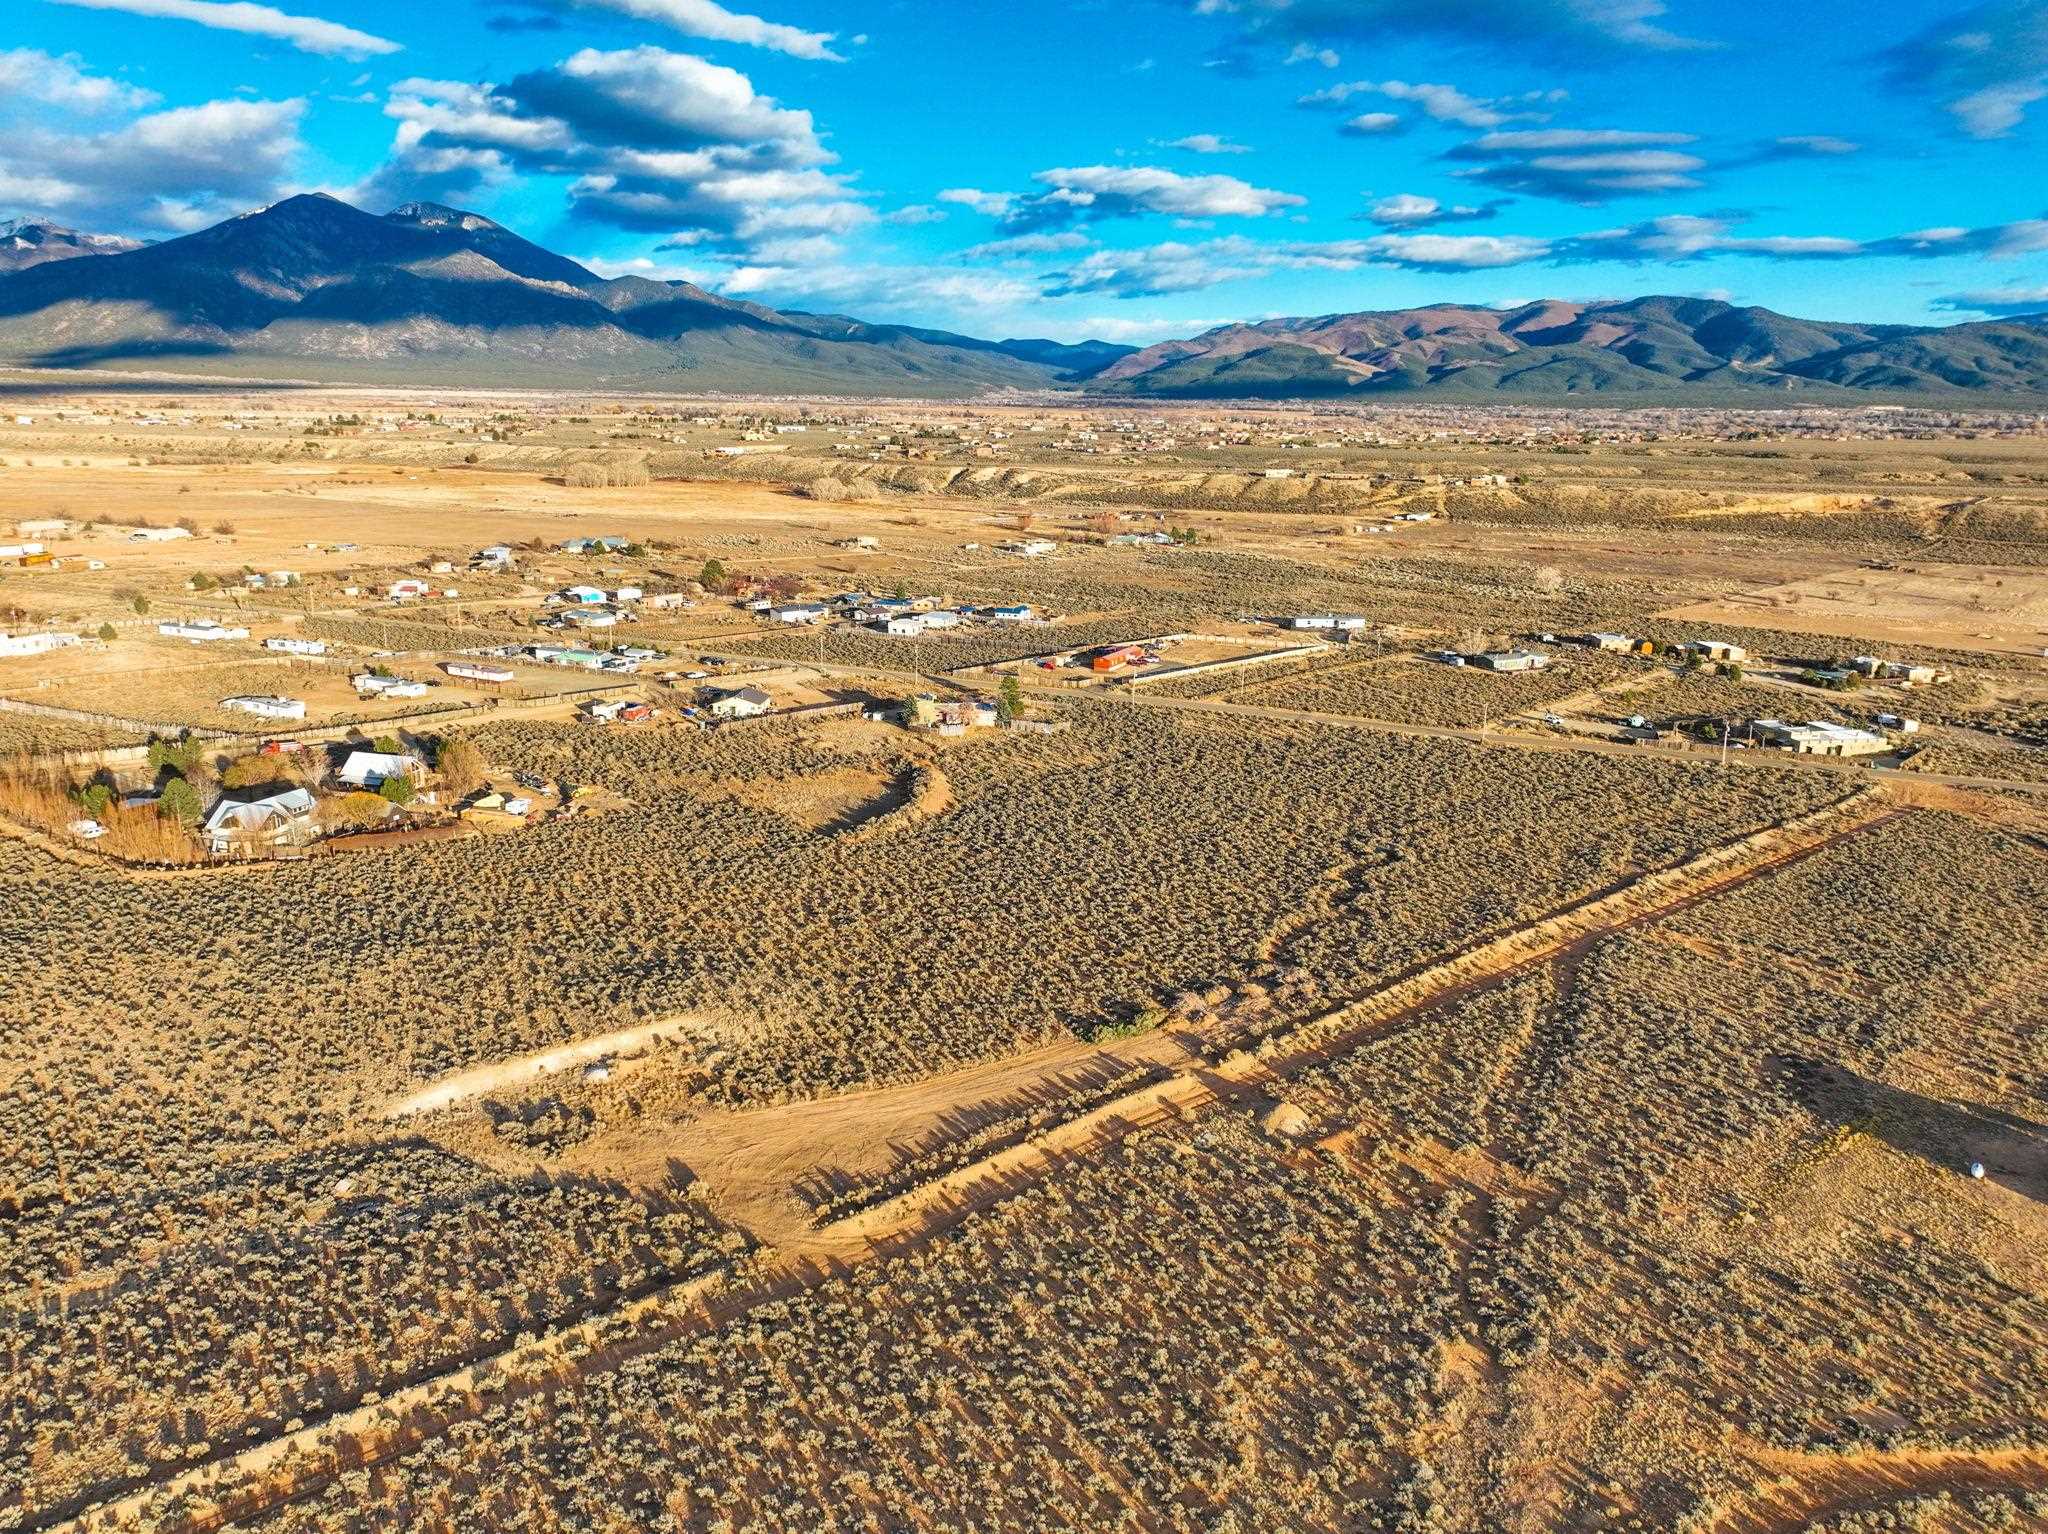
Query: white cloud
[[1304, 53], [651, 140], [1442, 103], [1986, 64], [1583, 165], [988, 204], [1531, 140], [176, 169], [1685, 237], [1455, 252], [703, 18], [916, 213], [649, 97], [1078, 193], [309, 33], [1561, 28], [1996, 110], [1206, 143], [910, 293], [640, 266], [1370, 123], [27, 74], [1998, 301], [1408, 211], [1042, 244]]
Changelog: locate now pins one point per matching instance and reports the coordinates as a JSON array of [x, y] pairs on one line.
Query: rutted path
[[268, 1475]]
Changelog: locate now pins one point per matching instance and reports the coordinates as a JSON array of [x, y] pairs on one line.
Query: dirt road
[[520, 1070]]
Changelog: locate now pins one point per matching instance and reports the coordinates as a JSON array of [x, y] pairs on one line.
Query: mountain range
[[312, 288], [26, 242]]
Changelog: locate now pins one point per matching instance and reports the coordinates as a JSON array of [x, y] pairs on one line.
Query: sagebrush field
[[1159, 1060]]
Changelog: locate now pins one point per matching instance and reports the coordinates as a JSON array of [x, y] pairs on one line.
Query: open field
[[1990, 607], [1327, 1094]]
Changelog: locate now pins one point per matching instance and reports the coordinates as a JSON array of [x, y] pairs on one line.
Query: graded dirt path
[[794, 1138], [499, 1075]]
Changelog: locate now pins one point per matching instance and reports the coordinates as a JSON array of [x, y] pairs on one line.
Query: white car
[[87, 830]]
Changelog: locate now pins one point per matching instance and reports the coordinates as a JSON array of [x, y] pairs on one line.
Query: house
[[1617, 643], [743, 703], [1714, 649], [1819, 737], [904, 625], [862, 541], [265, 707], [200, 631], [158, 534], [400, 591], [956, 715], [1016, 612], [581, 596], [370, 769], [603, 710], [626, 594], [1896, 722], [1028, 548], [497, 557], [1512, 660], [34, 644], [296, 646], [1892, 670], [669, 601], [19, 550], [479, 671], [584, 618], [609, 544], [370, 685], [282, 819], [1109, 657], [798, 612], [1311, 621]]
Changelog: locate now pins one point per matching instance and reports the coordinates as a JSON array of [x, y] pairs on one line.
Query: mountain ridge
[[1653, 345], [314, 287]]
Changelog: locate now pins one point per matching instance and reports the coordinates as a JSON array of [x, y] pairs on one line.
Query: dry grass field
[[1193, 1119]]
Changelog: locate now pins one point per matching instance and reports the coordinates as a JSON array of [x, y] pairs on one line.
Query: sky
[[1123, 169]]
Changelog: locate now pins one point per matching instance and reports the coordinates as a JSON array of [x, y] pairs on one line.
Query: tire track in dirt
[[263, 1477]]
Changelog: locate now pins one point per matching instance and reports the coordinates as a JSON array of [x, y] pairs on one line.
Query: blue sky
[[1130, 169]]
